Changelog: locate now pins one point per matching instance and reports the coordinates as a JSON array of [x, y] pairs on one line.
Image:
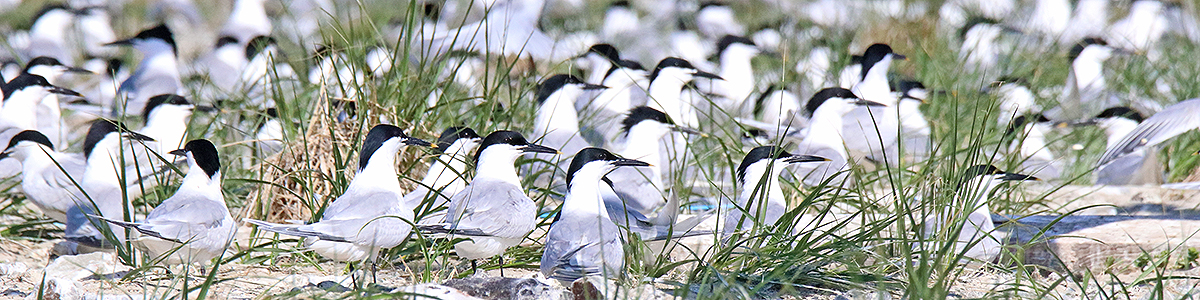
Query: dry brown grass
[[300, 178]]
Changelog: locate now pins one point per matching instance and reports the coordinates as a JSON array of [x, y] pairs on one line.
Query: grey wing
[[495, 208], [190, 210], [1175, 120], [362, 205], [635, 189], [577, 249]]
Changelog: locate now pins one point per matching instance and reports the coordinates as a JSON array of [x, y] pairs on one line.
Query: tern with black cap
[[584, 240], [194, 224], [493, 211], [157, 74], [760, 201]]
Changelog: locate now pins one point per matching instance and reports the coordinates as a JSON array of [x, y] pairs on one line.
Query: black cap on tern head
[[1088, 41], [511, 138], [100, 128], [553, 84], [49, 8], [875, 54], [1020, 122], [225, 40], [620, 3], [156, 101], [971, 23], [624, 63], [643, 113], [757, 154], [452, 134], [32, 136], [160, 32], [53, 62], [826, 94], [670, 62], [728, 40], [377, 136], [257, 44], [1123, 112], [591, 154], [771, 152], [605, 50], [25, 80], [907, 85], [984, 170], [205, 154]]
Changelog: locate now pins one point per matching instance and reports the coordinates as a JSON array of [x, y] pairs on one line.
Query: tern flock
[[614, 139]]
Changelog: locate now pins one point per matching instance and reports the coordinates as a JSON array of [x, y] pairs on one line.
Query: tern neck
[[558, 112], [497, 164], [380, 170]]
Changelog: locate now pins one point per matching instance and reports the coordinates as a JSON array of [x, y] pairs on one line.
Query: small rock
[[508, 288], [13, 293], [78, 267], [596, 287], [15, 268], [332, 287], [59, 289]]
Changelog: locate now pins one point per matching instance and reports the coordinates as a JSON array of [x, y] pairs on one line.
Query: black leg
[[374, 269], [353, 273], [501, 266], [474, 268]]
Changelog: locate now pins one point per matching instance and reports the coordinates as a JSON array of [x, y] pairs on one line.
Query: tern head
[[631, 68], [458, 140], [509, 144], [604, 51], [737, 45], [50, 67], [980, 29], [37, 85], [563, 85], [1018, 123], [988, 177], [52, 17], [158, 38], [912, 90], [1094, 49], [681, 69], [104, 130], [167, 105], [836, 100], [25, 140], [760, 158], [203, 154], [259, 44], [1109, 118], [644, 117], [226, 41], [381, 136], [878, 55], [594, 163]]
